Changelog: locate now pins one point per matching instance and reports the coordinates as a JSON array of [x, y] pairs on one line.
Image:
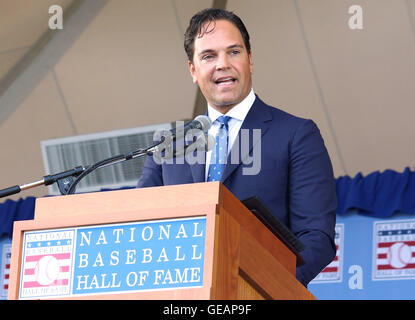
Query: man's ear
[[192, 71]]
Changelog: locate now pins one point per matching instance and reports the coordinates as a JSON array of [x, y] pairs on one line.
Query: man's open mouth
[[225, 80]]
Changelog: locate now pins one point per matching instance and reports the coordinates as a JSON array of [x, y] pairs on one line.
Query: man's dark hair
[[208, 16]]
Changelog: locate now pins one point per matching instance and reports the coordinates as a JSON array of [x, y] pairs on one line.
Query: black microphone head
[[205, 122]]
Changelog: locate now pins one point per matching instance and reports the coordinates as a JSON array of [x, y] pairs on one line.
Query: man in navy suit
[[286, 164]]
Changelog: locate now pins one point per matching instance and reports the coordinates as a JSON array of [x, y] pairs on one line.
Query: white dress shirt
[[238, 114]]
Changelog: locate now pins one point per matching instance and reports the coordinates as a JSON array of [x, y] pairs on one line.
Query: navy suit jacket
[[295, 181]]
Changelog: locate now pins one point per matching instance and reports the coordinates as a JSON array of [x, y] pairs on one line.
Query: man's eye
[[235, 52], [207, 57]]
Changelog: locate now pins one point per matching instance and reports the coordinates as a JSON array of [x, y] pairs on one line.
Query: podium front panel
[[162, 258], [116, 258]]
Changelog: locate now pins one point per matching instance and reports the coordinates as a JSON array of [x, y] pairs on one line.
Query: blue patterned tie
[[220, 152]]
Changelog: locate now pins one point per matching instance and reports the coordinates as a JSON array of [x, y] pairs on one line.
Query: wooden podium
[[242, 259]]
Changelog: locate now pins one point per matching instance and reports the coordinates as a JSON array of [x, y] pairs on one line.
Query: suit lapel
[[258, 117]]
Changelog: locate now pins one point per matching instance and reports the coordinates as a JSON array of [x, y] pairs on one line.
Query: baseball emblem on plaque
[[46, 263], [333, 272], [393, 250]]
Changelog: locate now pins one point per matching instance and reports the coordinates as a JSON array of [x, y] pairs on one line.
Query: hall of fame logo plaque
[[5, 269], [394, 250], [333, 272], [47, 263]]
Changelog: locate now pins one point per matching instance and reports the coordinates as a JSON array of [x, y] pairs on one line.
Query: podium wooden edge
[[243, 241], [237, 274]]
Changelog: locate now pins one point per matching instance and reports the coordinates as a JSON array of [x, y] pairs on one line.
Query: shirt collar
[[238, 112]]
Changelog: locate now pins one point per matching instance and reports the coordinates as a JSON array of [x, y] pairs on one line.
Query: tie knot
[[223, 120]]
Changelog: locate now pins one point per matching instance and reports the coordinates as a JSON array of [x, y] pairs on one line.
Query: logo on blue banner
[[116, 258], [394, 250], [334, 271], [5, 269]]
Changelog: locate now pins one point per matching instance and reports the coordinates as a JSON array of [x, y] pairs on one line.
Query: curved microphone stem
[[113, 160]]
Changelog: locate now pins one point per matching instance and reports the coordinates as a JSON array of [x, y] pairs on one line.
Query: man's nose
[[222, 62]]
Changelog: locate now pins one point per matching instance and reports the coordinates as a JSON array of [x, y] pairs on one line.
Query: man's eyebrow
[[233, 46], [236, 46], [206, 51]]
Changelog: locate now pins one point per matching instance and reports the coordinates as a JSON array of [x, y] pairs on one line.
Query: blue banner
[[375, 260]]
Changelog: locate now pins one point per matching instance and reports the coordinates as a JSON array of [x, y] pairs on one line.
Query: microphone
[[201, 122], [173, 144], [202, 143]]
